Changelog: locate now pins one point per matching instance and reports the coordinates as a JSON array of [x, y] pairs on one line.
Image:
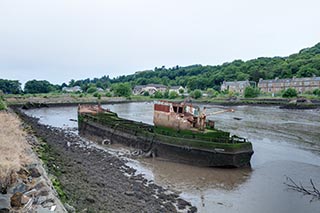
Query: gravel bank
[[94, 180]]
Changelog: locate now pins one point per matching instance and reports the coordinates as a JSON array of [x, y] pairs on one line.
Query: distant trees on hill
[[35, 86], [10, 86], [306, 63]]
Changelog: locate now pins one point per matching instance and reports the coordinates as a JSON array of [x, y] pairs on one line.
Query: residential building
[[150, 88], [72, 89], [300, 84], [235, 86], [177, 89]]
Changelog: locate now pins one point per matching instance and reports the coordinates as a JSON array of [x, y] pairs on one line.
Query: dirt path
[[97, 181]]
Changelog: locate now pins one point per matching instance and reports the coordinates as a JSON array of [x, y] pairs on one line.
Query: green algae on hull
[[210, 147]]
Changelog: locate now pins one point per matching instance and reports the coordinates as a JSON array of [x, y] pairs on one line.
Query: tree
[[122, 89], [35, 86], [173, 95], [166, 94], [146, 93], [92, 89], [196, 94], [10, 86], [158, 94], [212, 93], [290, 93], [316, 92], [251, 92]]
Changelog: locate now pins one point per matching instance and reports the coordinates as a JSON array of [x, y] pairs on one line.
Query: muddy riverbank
[[94, 180], [285, 142]]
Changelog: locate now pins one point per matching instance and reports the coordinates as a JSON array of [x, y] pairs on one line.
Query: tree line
[[305, 63]]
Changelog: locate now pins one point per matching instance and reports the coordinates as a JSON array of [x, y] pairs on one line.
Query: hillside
[[306, 63]]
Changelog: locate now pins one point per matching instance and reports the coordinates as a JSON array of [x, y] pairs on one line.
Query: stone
[[43, 192], [24, 199], [15, 200], [31, 192], [40, 184], [21, 187], [129, 193], [69, 208], [4, 203], [90, 199], [34, 172], [42, 210]]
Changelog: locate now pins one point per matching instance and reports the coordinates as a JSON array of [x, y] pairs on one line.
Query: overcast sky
[[62, 40]]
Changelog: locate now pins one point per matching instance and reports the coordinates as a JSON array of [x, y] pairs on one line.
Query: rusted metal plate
[[162, 108]]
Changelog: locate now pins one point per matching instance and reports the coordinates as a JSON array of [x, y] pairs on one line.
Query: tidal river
[[286, 144]]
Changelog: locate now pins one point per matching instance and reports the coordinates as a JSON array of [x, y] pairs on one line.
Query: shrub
[[316, 92], [290, 93], [250, 92], [173, 95], [196, 94], [158, 94], [108, 94], [3, 105], [146, 93], [92, 90]]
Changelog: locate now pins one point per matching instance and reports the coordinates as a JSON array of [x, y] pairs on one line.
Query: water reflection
[[186, 177]]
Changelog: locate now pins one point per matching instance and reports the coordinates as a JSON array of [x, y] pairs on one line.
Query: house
[[177, 89], [235, 86], [299, 84], [72, 89], [150, 88]]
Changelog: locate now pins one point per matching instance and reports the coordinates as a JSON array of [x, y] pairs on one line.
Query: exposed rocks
[[94, 180], [4, 203]]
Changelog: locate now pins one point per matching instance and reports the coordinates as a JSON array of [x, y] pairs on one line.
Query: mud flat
[[94, 180]]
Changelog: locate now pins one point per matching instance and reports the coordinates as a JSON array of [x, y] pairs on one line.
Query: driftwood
[[313, 191]]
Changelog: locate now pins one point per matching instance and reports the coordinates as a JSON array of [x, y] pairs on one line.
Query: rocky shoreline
[[93, 180]]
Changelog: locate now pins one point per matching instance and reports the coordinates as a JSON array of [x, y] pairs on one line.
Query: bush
[[166, 94], [158, 94], [92, 90], [97, 95], [196, 94], [3, 105], [146, 93], [316, 92], [122, 89], [290, 93], [108, 94], [250, 92], [173, 95]]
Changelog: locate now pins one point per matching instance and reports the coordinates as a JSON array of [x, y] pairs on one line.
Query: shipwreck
[[181, 133]]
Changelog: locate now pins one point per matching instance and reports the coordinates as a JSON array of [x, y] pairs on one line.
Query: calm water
[[286, 143]]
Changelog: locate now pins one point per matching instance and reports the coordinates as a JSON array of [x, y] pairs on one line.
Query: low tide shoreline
[[94, 180]]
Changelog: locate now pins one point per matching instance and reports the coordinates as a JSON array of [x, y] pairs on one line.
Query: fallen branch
[[314, 192]]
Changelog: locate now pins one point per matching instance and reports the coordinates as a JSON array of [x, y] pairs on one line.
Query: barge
[[181, 133]]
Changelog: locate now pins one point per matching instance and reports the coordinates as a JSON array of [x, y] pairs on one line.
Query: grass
[[13, 145]]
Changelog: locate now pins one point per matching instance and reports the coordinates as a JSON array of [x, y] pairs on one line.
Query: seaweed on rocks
[[97, 181]]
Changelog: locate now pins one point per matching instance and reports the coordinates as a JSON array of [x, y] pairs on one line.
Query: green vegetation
[[251, 92], [290, 93], [35, 87], [92, 89], [10, 87], [45, 152], [196, 94], [3, 105], [173, 95], [316, 92], [196, 78], [306, 63], [122, 89], [211, 139]]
